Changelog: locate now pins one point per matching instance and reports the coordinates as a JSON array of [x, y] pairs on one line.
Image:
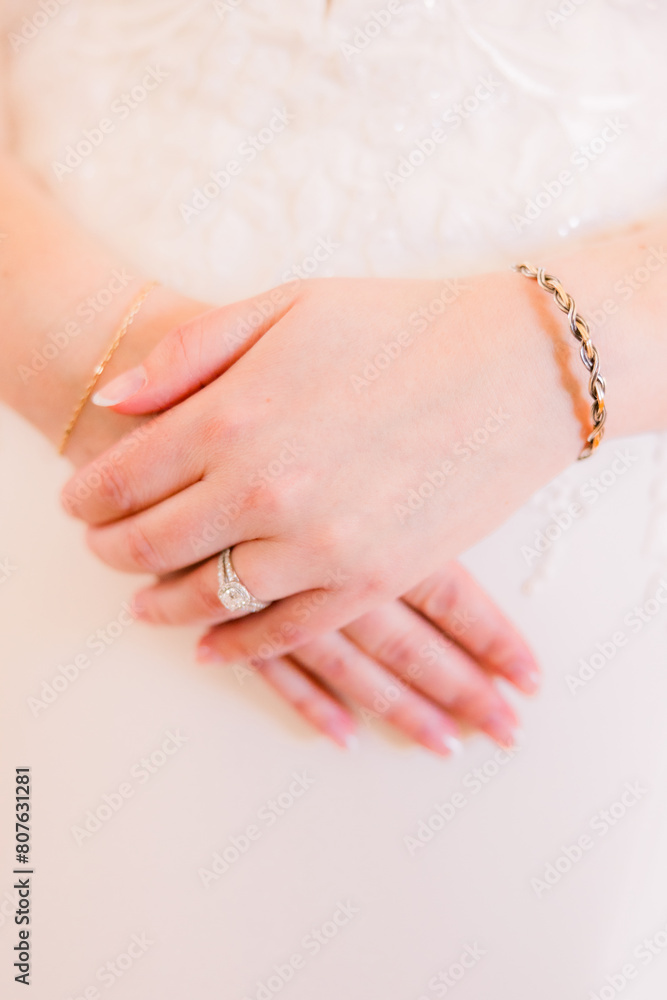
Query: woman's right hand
[[341, 490]]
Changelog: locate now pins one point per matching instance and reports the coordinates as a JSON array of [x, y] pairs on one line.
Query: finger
[[454, 601], [175, 533], [149, 464], [403, 642], [192, 596], [349, 672], [195, 353], [286, 625], [318, 706]]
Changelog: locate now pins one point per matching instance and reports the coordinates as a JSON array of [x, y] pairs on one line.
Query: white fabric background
[[344, 839]]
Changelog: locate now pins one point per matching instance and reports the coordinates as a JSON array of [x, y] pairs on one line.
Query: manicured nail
[[126, 385], [443, 744], [206, 654], [499, 729], [338, 729], [525, 676], [137, 609], [454, 745]]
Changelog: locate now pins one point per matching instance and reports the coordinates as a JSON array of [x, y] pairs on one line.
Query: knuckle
[[402, 713], [141, 550], [373, 581], [333, 668], [228, 424], [398, 651], [334, 537], [206, 596], [471, 702], [278, 494], [112, 485], [187, 347], [497, 650], [443, 598], [156, 612]]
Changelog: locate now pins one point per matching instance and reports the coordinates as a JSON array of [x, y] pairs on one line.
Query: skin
[[446, 638], [333, 532]]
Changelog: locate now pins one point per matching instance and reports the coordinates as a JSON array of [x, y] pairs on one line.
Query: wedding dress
[[191, 837]]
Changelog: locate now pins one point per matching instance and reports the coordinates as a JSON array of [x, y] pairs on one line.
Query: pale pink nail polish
[[119, 389], [498, 727], [206, 654], [525, 676], [443, 743], [137, 609], [340, 732]]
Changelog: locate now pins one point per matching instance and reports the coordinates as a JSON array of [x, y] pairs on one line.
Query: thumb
[[194, 354]]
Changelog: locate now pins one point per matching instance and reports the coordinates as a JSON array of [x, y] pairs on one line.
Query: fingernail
[[499, 729], [525, 676], [444, 744], [339, 731], [206, 654], [121, 388], [137, 609]]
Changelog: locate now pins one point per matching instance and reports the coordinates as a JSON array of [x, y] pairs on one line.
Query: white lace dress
[[191, 837]]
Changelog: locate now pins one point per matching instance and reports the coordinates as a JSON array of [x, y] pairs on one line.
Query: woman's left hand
[[425, 664]]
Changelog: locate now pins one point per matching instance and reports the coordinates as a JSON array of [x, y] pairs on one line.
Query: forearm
[[62, 295]]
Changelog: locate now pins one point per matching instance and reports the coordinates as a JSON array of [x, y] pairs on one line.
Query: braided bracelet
[[589, 355]]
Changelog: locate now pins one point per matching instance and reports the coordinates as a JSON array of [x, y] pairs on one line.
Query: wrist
[[97, 428], [618, 286]]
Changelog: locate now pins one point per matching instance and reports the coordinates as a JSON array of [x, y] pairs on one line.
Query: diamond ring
[[231, 592]]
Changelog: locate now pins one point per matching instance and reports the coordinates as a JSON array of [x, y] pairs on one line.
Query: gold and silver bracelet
[[589, 355]]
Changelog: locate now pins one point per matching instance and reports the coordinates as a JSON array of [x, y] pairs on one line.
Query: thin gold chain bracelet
[[97, 374], [589, 355]]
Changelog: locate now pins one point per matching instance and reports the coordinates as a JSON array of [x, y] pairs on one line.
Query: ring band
[[231, 592]]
